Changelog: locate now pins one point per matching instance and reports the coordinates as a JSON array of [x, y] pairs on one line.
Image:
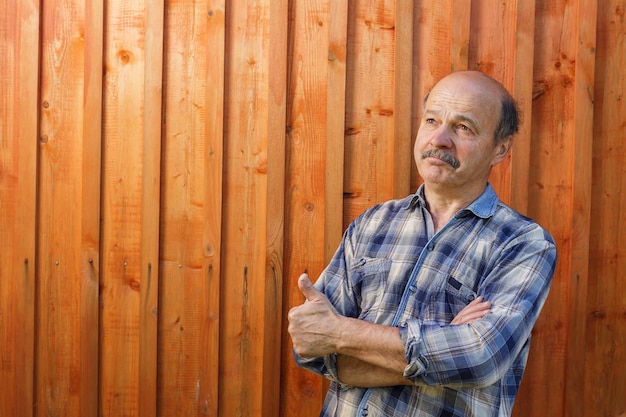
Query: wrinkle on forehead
[[480, 110]]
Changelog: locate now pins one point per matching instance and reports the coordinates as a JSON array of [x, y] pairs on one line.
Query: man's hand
[[315, 325], [475, 310]]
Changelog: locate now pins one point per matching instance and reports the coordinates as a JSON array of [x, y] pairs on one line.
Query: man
[[427, 307]]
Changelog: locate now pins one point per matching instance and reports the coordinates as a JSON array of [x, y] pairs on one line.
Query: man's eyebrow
[[430, 112], [467, 119]]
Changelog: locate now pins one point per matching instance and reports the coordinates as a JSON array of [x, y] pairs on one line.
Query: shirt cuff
[[330, 370], [411, 336]]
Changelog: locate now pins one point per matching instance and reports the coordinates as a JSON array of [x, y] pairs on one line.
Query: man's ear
[[502, 150]]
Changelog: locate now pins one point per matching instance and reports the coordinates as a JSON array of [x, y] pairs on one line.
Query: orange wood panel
[[209, 382], [555, 190], [371, 115], [191, 209], [308, 144], [251, 235], [335, 149], [130, 208], [440, 45], [335, 122], [19, 65], [68, 210], [605, 336], [275, 215], [501, 46], [522, 90], [402, 159], [91, 199], [584, 31], [150, 196], [204, 241]]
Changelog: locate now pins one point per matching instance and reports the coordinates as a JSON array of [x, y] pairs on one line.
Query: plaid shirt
[[390, 269]]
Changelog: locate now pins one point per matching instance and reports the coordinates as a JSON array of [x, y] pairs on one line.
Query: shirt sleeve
[[480, 353]]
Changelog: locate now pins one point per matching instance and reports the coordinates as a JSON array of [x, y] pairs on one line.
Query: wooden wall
[[169, 168]]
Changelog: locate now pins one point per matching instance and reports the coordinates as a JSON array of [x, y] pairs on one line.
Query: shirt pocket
[[458, 295], [368, 279], [448, 301]]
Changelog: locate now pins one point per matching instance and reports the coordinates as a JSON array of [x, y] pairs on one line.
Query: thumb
[[307, 288]]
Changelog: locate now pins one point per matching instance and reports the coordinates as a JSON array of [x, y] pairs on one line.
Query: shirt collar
[[484, 206]]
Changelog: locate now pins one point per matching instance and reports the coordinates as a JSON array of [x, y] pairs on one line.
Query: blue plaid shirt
[[391, 269]]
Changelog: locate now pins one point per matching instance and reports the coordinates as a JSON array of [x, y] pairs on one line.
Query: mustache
[[444, 156]]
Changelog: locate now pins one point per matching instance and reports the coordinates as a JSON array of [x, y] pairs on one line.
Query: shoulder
[[384, 212], [509, 224]]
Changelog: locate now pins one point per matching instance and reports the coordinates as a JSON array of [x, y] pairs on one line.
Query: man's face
[[455, 144]]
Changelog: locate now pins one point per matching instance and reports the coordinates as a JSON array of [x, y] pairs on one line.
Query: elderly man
[[427, 307]]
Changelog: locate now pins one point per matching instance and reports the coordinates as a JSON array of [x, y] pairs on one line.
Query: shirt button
[[430, 246], [364, 413]]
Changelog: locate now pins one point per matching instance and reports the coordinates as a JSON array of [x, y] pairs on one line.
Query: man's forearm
[[372, 355], [375, 344]]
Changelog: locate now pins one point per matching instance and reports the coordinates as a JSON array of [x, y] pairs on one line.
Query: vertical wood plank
[[306, 183], [130, 230], [90, 204], [402, 159], [68, 210], [209, 380], [150, 196], [371, 114], [441, 45], [19, 66], [335, 122], [189, 349], [556, 191], [460, 28], [251, 288], [502, 47], [191, 199], [605, 341], [275, 216], [522, 91], [584, 70]]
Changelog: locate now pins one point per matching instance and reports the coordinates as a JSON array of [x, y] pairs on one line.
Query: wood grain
[[554, 191], [130, 208], [168, 169], [191, 217], [605, 313], [19, 65], [253, 131], [308, 144], [68, 210]]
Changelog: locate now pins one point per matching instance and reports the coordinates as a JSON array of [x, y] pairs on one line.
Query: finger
[[475, 301], [474, 315], [473, 311], [306, 286]]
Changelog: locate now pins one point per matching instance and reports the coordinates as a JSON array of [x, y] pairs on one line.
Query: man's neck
[[444, 203]]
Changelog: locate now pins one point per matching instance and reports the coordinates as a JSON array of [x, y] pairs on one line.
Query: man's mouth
[[442, 155]]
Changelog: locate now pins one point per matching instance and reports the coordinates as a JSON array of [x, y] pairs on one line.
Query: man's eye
[[464, 128], [431, 121]]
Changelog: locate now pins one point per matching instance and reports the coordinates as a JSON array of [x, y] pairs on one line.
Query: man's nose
[[442, 137]]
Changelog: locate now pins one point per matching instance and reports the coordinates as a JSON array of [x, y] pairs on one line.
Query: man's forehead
[[470, 107]]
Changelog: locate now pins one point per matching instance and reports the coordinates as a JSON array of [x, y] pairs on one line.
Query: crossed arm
[[368, 354]]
